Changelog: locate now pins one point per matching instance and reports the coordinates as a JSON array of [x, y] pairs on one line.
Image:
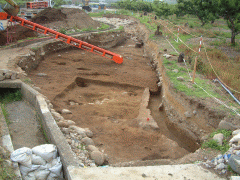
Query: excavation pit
[[106, 98]]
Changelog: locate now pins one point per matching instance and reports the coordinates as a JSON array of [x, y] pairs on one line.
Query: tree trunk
[[233, 37]]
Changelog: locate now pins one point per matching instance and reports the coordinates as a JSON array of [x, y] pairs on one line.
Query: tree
[[162, 9], [230, 10], [205, 10]]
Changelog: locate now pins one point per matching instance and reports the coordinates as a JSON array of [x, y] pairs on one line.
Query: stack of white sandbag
[[39, 163]]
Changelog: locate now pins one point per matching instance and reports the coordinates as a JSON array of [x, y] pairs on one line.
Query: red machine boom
[[68, 39]]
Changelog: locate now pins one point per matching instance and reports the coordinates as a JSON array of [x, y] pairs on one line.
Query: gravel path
[[24, 127]]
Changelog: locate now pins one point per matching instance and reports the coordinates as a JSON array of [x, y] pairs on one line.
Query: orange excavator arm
[[13, 11]]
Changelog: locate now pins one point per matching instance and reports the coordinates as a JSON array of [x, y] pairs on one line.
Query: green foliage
[[135, 5], [63, 31], [230, 10], [103, 26], [226, 133], [213, 144], [205, 10], [10, 96], [162, 9], [5, 113], [58, 3], [6, 171]]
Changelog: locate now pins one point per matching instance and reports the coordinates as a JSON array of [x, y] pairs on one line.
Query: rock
[[78, 130], [220, 166], [226, 125], [70, 122], [188, 114], [14, 76], [159, 84], [175, 70], [167, 56], [204, 138], [97, 156], [41, 74], [235, 138], [180, 78], [2, 77], [62, 124], [57, 116], [8, 75], [66, 111], [181, 57], [37, 88], [194, 112], [219, 138], [50, 106], [89, 133], [92, 148], [106, 158], [236, 132], [87, 141], [234, 162]]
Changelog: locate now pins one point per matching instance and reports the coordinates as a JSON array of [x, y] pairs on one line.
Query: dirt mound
[[67, 18], [49, 15], [79, 19], [17, 33]]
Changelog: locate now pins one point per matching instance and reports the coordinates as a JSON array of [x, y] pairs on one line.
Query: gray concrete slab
[[165, 172]]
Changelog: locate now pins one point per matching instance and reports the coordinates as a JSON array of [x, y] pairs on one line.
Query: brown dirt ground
[[109, 97]]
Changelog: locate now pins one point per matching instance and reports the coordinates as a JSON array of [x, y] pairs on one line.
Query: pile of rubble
[[230, 158]]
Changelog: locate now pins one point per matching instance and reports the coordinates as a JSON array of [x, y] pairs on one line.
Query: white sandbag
[[30, 176], [41, 174], [235, 138], [37, 160], [56, 167], [22, 156], [47, 151], [25, 170]]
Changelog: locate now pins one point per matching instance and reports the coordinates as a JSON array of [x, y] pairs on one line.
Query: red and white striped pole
[[200, 45], [195, 65]]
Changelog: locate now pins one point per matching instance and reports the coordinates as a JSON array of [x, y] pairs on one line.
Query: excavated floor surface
[[108, 97]]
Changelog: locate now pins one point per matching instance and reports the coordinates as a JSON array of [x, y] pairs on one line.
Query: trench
[[24, 126], [167, 128]]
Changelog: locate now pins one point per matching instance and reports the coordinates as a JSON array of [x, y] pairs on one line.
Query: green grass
[[5, 113], [42, 129], [8, 97], [212, 144], [103, 26], [11, 96], [27, 81], [6, 171], [192, 90]]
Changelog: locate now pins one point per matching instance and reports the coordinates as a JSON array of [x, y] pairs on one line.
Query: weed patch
[[213, 144]]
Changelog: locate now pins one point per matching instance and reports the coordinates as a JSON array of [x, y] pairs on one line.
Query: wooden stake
[[194, 71]]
